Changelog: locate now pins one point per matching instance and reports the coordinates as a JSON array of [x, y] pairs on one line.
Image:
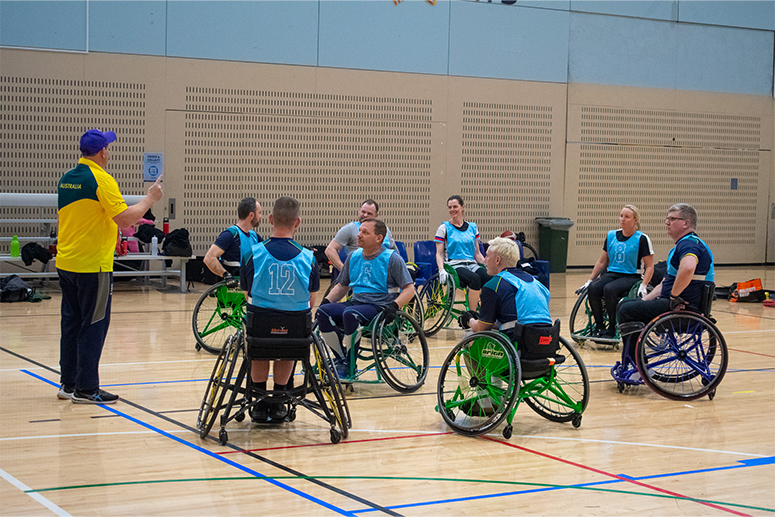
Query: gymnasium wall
[[541, 108]]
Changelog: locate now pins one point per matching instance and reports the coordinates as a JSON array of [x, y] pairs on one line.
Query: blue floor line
[[211, 454], [745, 463]]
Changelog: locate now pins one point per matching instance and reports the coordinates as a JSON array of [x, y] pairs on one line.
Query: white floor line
[[747, 331], [387, 431], [85, 434], [208, 360], [34, 495]]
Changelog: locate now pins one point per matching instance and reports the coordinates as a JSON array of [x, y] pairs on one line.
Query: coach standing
[[91, 209]]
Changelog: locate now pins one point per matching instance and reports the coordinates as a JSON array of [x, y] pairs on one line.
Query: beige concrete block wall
[[515, 150]]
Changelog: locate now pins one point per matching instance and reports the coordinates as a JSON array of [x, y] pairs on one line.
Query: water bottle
[[154, 246], [166, 225], [14, 246]]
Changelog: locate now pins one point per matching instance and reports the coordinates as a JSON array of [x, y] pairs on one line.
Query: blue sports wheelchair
[[681, 355]]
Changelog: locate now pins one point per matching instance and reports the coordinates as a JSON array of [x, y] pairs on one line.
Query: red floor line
[[747, 352], [327, 443], [628, 480]]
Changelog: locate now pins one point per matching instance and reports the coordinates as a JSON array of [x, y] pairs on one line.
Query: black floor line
[[236, 448]]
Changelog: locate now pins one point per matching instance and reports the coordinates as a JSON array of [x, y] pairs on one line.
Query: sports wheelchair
[[217, 314], [582, 322], [439, 301], [273, 335], [486, 376], [399, 353], [680, 355]]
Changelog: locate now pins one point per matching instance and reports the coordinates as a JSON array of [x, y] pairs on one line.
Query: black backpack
[[14, 289], [177, 244]]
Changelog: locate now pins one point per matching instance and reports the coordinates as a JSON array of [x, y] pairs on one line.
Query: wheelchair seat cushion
[[533, 368], [275, 334]]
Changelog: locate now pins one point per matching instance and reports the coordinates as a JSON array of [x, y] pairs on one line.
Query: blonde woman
[[617, 270]]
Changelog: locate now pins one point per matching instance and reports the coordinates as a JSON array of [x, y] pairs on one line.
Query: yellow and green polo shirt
[[88, 201]]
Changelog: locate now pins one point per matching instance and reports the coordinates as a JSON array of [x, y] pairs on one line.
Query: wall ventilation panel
[[329, 151], [41, 120], [506, 165]]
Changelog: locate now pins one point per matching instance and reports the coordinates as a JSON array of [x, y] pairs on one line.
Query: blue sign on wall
[[153, 166]]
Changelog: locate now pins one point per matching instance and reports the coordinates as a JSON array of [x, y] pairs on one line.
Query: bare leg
[[259, 371], [283, 371]]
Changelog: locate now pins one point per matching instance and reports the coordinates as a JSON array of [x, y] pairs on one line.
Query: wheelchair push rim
[[220, 383], [478, 383], [681, 356], [328, 390], [401, 352], [217, 313], [437, 299], [562, 394], [581, 322]]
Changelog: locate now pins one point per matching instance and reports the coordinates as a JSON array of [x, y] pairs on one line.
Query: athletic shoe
[[342, 367], [66, 392], [98, 397], [278, 412], [259, 412]]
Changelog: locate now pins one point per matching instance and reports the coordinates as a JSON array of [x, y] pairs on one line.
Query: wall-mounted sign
[[153, 166]]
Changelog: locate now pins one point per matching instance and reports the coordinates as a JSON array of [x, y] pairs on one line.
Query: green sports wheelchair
[[486, 376]]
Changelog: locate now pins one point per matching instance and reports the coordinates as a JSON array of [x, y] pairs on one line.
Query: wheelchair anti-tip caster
[[507, 431], [198, 347], [239, 417], [335, 436], [292, 414], [576, 421], [223, 437], [712, 395]]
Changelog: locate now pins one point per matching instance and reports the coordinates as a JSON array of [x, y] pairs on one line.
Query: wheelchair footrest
[[625, 375]]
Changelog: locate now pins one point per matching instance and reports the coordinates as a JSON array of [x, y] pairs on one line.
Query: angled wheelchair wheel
[[528, 252], [478, 383], [582, 323], [562, 394], [437, 299], [220, 384], [401, 352], [217, 314], [329, 390], [414, 309], [682, 356]]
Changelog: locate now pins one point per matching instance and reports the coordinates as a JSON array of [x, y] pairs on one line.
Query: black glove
[[677, 303], [324, 301], [389, 312], [231, 282], [465, 318]]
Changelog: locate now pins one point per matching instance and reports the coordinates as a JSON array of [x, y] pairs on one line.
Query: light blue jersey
[[461, 245], [531, 300], [246, 242], [623, 255], [703, 263], [370, 276], [281, 284]]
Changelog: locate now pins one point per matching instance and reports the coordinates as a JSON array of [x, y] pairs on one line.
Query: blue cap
[[94, 141]]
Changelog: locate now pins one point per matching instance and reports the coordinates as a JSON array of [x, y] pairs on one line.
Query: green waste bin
[[553, 242]]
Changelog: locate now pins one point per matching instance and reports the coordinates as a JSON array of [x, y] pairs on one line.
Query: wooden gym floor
[[634, 454]]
